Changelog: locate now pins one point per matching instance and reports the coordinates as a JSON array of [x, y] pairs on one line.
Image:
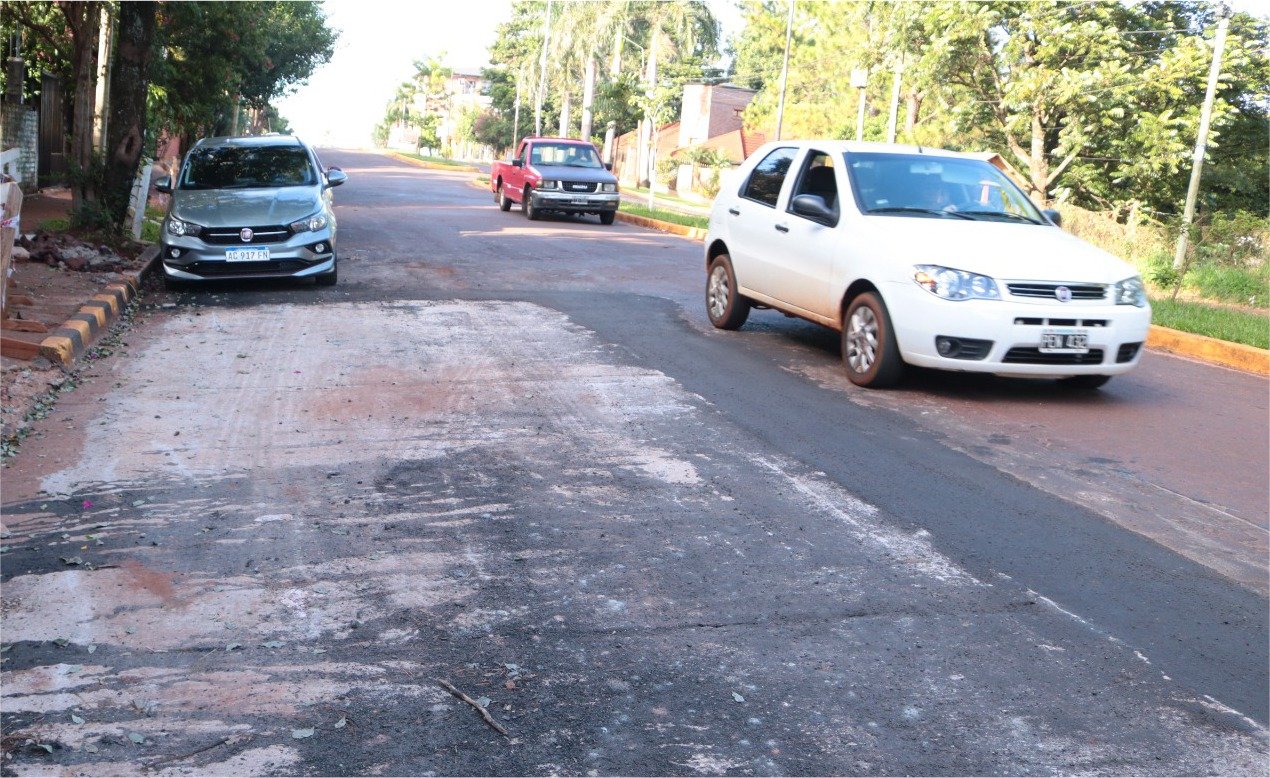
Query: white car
[[922, 257]]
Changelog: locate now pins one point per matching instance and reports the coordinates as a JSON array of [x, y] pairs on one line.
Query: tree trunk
[[1038, 165], [646, 172], [566, 103], [84, 20], [125, 139], [615, 70], [588, 96], [913, 104]]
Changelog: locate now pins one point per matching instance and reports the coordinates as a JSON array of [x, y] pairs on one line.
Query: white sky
[[379, 42]]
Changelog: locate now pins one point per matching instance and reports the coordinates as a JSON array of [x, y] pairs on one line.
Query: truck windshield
[[239, 167], [566, 154], [943, 187]]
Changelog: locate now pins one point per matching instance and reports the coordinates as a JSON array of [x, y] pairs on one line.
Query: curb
[[1249, 359], [431, 165], [692, 233], [68, 341]]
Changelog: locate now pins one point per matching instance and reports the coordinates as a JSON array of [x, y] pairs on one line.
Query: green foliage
[[1251, 328], [674, 217]]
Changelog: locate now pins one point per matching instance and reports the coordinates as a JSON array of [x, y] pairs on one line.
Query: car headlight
[[952, 284], [312, 224], [608, 187], [183, 229], [1131, 292], [548, 184]]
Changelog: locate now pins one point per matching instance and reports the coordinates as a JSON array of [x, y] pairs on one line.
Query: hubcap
[[862, 339], [718, 292]]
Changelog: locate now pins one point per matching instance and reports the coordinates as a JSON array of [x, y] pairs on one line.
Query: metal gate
[[52, 127]]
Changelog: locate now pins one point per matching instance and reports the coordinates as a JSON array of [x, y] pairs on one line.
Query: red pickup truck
[[556, 174]]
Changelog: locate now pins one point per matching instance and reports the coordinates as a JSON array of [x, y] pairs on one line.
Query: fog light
[[945, 346], [320, 248], [174, 253]]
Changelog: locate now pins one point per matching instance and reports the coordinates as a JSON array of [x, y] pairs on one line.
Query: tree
[[129, 86]]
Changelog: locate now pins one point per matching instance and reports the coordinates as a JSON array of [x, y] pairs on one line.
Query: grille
[[1079, 291], [578, 186], [1038, 322], [1127, 352], [284, 267], [229, 236], [1030, 355]]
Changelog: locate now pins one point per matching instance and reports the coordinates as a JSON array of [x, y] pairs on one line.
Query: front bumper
[[1117, 333], [575, 203], [296, 257]]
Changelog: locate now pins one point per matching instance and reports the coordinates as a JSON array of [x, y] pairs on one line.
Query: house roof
[[735, 145]]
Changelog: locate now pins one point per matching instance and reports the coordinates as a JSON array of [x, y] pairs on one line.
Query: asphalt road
[[515, 457]]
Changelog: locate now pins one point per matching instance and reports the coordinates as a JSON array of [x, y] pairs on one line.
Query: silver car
[[250, 207]]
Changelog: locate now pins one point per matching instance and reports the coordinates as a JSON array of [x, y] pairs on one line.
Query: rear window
[[239, 167], [764, 184]]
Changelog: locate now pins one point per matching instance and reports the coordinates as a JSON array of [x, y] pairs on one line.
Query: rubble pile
[[68, 252]]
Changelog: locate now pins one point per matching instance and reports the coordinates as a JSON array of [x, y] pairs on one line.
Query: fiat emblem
[[1063, 294], [246, 234]]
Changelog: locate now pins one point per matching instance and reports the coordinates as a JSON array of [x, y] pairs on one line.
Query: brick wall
[[21, 131]]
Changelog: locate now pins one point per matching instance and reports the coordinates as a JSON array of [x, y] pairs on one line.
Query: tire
[[527, 205], [869, 350], [607, 217], [329, 278], [727, 309], [504, 202], [1085, 382], [171, 284]]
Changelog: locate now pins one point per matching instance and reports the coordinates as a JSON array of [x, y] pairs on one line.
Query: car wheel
[[868, 343], [1085, 382], [607, 217], [504, 202], [727, 309], [527, 205], [329, 278]]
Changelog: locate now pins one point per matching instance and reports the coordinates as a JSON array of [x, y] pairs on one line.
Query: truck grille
[[578, 186], [1079, 291], [232, 236]]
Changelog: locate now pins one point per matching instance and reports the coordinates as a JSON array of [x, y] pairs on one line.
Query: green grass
[[1251, 328], [58, 224], [1231, 284], [434, 160], [150, 231], [666, 216]]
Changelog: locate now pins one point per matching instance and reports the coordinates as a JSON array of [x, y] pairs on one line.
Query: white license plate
[[247, 254], [1064, 341], [579, 202]]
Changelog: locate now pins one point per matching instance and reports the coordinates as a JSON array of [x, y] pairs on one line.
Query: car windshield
[[937, 187], [566, 154], [245, 167]]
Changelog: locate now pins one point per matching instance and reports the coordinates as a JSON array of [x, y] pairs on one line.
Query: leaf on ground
[[483, 702], [341, 723], [74, 560], [300, 734], [92, 648], [233, 646], [737, 697], [272, 644], [61, 642], [136, 738], [77, 719], [47, 748], [131, 630]]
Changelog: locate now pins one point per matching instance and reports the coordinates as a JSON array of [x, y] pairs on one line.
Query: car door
[[803, 246], [752, 218]]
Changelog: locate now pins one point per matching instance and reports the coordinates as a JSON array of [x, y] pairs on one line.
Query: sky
[[379, 42]]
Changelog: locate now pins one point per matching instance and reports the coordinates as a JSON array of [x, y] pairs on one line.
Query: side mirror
[[1054, 216], [813, 207], [335, 177], [518, 162], [608, 166], [164, 184]]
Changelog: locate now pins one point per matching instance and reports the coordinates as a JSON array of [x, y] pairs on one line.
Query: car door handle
[[734, 212], [782, 228]]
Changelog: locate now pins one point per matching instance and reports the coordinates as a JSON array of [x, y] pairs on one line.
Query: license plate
[[1064, 341], [247, 254], [579, 202]]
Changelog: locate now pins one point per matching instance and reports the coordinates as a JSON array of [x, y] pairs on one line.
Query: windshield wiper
[[1014, 216], [929, 211]]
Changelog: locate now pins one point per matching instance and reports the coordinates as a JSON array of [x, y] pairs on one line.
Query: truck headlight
[[608, 187], [183, 229], [311, 224], [1130, 292], [952, 284], [548, 184]]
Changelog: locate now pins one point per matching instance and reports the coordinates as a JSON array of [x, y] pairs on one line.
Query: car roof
[[251, 141], [832, 146]]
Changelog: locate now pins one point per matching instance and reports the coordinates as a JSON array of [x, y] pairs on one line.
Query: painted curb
[[692, 233], [1250, 359], [431, 165], [68, 341]]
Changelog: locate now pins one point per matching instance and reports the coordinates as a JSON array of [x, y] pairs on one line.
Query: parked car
[[250, 207], [556, 174], [919, 257]]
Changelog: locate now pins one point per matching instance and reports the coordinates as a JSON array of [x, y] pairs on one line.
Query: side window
[[764, 184], [817, 178]]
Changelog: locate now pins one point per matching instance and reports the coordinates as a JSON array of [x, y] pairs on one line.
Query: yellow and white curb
[[68, 341]]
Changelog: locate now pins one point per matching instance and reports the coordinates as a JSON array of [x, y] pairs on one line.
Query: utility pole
[[780, 105], [1197, 162], [895, 99], [516, 120], [542, 72]]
